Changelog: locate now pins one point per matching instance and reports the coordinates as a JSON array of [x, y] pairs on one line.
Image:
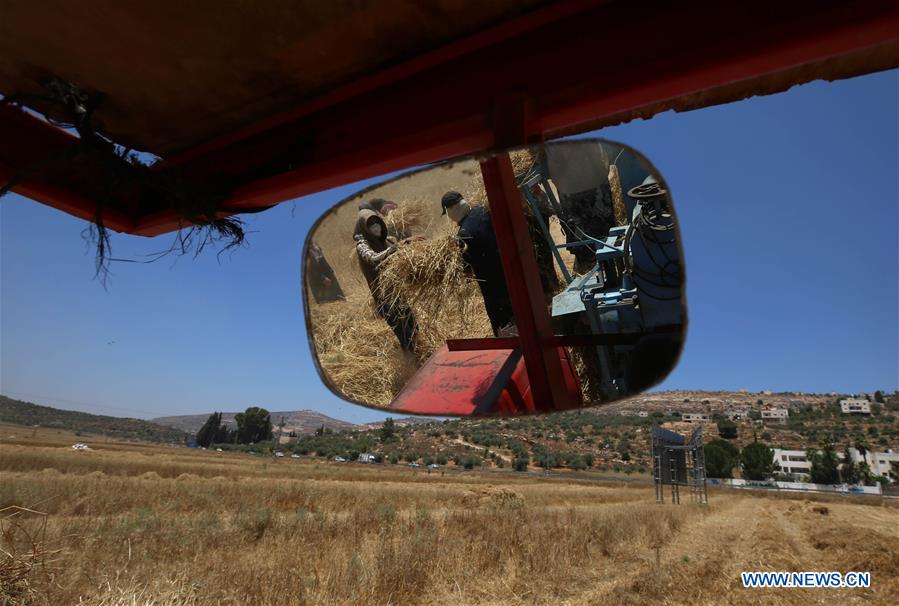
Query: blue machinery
[[634, 286]]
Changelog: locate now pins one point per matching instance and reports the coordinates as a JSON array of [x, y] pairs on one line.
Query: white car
[[339, 459], [414, 465], [433, 466], [279, 454], [80, 446], [294, 456]]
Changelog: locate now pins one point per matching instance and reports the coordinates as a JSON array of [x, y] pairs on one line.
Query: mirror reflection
[[395, 272]]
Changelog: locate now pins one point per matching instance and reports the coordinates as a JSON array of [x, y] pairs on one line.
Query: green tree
[[861, 445], [520, 464], [223, 435], [757, 461], [825, 465], [720, 458], [253, 425], [865, 476], [878, 396], [848, 471], [388, 430], [727, 429], [210, 430], [577, 463]]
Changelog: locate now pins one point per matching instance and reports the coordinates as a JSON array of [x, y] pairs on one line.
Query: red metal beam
[[591, 64], [541, 359], [448, 111], [596, 340]]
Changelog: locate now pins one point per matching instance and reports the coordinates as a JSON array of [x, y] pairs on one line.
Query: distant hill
[[25, 413], [299, 421]]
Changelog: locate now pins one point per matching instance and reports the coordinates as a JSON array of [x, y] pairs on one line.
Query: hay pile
[[424, 274], [412, 217], [429, 277], [357, 350], [358, 353]]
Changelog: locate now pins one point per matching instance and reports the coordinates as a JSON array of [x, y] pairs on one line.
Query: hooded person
[[384, 208], [480, 254], [321, 278], [372, 249]]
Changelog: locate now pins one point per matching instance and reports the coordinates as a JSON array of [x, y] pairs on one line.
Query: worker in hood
[[480, 254], [372, 249], [321, 278]]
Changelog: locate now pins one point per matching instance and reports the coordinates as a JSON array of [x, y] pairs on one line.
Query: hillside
[[611, 438], [25, 413], [298, 421]]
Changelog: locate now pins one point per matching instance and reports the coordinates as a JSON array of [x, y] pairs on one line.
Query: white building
[[694, 417], [643, 414], [775, 415], [796, 461], [856, 406], [737, 415], [879, 462], [793, 461]]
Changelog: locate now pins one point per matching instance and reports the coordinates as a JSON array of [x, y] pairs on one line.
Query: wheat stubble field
[[125, 524]]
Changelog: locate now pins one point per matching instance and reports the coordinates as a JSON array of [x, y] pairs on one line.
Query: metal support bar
[[627, 338], [516, 250], [545, 229]]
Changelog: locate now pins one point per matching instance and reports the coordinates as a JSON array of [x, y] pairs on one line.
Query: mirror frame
[[501, 342]]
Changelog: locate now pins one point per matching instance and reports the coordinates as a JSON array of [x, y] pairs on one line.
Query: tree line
[[756, 462], [252, 426]]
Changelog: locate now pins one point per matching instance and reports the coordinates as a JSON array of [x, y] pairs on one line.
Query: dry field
[[123, 524]]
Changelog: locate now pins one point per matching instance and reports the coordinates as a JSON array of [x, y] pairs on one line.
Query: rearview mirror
[[408, 307]]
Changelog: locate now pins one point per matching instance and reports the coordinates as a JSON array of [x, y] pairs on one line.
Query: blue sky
[[788, 210]]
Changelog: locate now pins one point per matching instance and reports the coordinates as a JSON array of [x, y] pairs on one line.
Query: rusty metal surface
[[175, 74]]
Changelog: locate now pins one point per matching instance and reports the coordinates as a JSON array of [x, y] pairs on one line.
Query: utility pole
[[280, 431]]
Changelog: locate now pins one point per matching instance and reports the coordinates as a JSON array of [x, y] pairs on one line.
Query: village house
[[775, 415], [855, 406]]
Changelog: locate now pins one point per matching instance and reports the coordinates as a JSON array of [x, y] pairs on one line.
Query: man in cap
[[481, 256]]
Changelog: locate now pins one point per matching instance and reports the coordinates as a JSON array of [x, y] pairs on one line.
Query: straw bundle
[[617, 196], [429, 277], [412, 217], [424, 274]]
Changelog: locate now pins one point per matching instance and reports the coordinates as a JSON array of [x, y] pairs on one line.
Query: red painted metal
[[466, 46], [482, 344], [523, 279], [443, 104], [478, 383], [559, 340]]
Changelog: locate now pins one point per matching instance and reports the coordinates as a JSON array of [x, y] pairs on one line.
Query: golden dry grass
[[178, 527]]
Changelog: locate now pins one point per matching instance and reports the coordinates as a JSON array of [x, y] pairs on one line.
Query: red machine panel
[[485, 382]]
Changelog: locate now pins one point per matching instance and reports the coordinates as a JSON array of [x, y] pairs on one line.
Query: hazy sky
[[788, 210]]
